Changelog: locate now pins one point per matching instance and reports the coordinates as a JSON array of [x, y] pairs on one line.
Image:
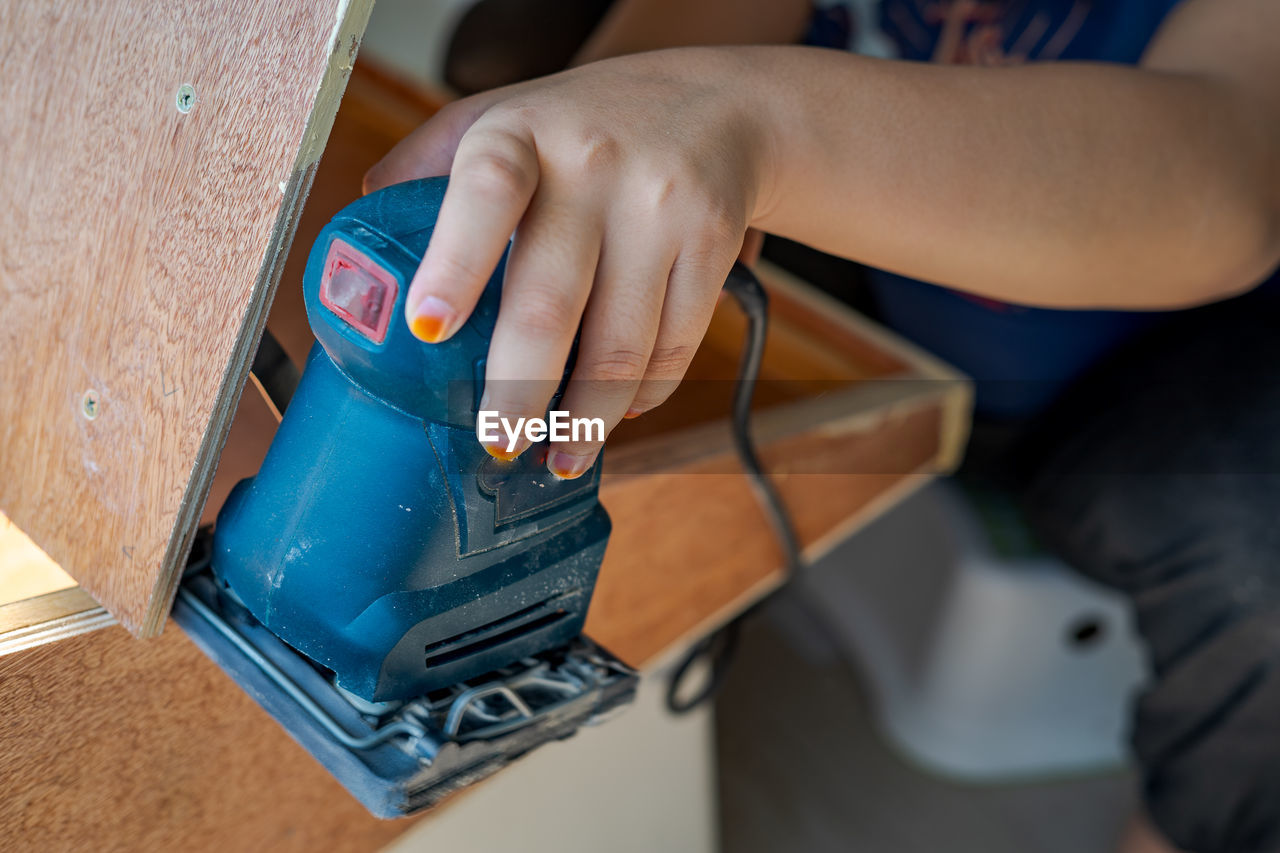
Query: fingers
[[686, 314], [549, 275], [618, 334], [494, 176]]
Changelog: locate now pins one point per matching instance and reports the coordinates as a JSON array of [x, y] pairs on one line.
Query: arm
[[629, 184], [1065, 184]]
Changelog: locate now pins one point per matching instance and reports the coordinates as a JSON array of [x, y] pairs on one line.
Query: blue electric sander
[[407, 606]]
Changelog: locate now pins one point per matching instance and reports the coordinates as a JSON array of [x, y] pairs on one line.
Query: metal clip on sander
[[407, 607]]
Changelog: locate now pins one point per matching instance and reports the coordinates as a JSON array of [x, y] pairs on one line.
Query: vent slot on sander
[[495, 633]]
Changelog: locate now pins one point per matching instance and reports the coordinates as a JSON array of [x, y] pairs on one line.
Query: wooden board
[[111, 744], [139, 249]]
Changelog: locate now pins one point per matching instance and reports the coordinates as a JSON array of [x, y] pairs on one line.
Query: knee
[[1136, 532]]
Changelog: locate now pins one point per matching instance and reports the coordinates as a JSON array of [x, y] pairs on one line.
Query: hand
[[629, 185]]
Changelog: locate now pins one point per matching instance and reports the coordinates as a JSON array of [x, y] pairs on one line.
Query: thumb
[[429, 149]]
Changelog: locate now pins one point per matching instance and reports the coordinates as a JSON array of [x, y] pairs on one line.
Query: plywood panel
[[111, 744], [139, 248]]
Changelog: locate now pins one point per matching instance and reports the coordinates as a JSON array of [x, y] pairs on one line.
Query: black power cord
[[718, 648]]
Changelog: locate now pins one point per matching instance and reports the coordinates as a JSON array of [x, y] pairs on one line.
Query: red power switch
[[358, 290]]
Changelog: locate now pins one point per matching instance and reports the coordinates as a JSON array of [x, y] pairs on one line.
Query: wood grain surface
[[139, 248], [108, 743]]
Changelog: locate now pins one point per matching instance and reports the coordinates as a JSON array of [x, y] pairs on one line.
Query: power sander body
[[379, 538], [383, 581]]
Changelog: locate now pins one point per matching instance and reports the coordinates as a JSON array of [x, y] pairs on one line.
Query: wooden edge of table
[[923, 380], [814, 551], [48, 618], [924, 365]]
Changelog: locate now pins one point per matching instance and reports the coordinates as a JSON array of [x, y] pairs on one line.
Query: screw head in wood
[[186, 98], [89, 404]]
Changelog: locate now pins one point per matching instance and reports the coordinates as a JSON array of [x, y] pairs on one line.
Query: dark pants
[[1159, 475]]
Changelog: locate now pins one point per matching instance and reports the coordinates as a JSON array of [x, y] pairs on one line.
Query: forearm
[[1064, 185]]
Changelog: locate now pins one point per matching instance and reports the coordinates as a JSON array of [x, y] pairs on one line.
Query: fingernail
[[431, 320], [633, 413], [568, 467], [499, 452], [498, 449]]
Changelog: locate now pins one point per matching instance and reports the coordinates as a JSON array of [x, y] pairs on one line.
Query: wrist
[[774, 97], [751, 85], [770, 106]]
